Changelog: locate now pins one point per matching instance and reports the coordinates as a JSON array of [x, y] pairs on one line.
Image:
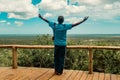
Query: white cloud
[[18, 23], [73, 19], [116, 5], [108, 6], [96, 9], [75, 9], [53, 4], [91, 2], [8, 23], [60, 7], [112, 10], [3, 21], [47, 15], [20, 9]]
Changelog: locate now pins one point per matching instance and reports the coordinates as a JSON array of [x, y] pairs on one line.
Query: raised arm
[[75, 24], [43, 18]]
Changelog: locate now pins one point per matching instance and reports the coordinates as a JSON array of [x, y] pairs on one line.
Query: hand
[[85, 18], [39, 16]]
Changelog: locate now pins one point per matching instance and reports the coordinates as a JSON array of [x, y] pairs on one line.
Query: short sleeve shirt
[[60, 31]]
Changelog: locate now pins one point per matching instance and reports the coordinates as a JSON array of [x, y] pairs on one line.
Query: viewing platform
[[32, 73]]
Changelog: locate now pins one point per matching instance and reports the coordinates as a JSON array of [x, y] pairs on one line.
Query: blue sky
[[21, 16]]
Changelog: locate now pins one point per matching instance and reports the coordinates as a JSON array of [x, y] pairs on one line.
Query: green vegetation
[[104, 60]]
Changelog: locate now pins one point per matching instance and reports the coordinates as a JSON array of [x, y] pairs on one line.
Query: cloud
[[91, 2], [112, 10], [53, 4], [47, 15], [108, 6], [8, 23], [115, 5], [73, 19], [75, 9], [18, 23], [109, 1], [3, 21], [95, 9], [60, 7], [19, 9]]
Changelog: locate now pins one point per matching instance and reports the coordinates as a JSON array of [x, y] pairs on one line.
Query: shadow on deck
[[32, 73]]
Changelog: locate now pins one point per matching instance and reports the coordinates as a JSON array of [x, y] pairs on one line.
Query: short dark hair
[[60, 19]]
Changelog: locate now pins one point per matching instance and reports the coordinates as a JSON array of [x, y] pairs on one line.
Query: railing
[[90, 48]]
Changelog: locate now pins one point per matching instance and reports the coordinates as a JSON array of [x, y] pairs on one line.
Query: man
[[59, 31]]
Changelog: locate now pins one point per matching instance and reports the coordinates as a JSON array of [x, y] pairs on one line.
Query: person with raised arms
[[60, 34]]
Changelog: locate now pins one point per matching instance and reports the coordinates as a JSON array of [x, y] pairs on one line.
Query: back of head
[[60, 19]]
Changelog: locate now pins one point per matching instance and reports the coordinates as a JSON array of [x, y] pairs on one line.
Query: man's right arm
[[43, 18]]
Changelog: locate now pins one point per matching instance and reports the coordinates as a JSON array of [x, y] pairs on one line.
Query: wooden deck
[[30, 73]]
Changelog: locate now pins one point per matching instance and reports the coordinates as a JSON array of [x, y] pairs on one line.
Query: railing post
[[90, 61], [14, 61]]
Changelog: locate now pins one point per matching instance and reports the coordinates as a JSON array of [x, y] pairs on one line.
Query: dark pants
[[59, 56]]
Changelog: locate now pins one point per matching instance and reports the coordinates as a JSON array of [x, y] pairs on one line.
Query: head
[[60, 19]]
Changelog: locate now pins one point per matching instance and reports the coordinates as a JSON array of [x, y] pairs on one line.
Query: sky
[[21, 16]]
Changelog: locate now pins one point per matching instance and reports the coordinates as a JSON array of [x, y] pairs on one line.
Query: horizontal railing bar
[[35, 46], [69, 47], [6, 46]]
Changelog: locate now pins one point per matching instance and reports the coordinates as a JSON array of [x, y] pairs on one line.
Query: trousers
[[59, 57]]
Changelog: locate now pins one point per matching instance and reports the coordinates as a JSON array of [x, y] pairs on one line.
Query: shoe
[[57, 73]]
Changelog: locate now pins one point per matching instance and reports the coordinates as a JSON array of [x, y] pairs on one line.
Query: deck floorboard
[[32, 73]]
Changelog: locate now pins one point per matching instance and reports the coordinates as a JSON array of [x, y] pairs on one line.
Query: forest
[[107, 61]]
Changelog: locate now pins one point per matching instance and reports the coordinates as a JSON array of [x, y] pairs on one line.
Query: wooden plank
[[37, 74], [4, 73], [12, 73], [73, 75], [2, 69], [46, 76], [96, 76], [101, 76], [84, 76], [78, 76], [34, 73], [26, 73], [113, 77], [21, 73], [9, 72], [118, 77], [64, 76], [90, 77], [107, 76]]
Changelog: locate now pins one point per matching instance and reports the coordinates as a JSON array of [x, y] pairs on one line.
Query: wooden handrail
[[15, 47], [69, 47]]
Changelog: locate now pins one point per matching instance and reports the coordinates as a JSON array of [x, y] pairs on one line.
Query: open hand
[[39, 16], [85, 18]]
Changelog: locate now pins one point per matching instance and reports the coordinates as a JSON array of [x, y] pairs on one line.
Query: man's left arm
[[75, 24]]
